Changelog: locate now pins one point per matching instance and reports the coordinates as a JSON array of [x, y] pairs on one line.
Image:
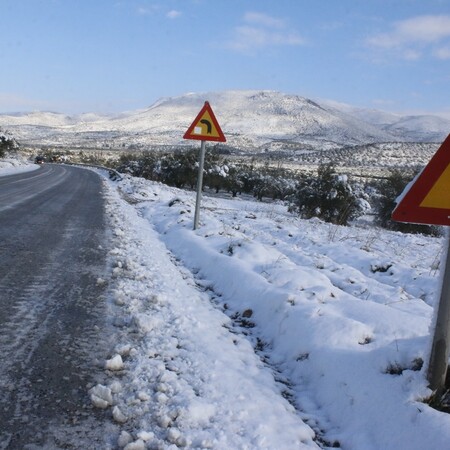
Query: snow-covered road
[[52, 252]]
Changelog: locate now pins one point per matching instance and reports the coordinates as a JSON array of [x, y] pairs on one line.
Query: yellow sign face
[[439, 195], [205, 127]]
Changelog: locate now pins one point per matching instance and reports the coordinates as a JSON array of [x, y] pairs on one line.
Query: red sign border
[[409, 209], [189, 133]]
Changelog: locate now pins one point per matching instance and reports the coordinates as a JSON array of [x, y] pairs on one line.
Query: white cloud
[[412, 38], [248, 38], [263, 19], [143, 11], [260, 31], [173, 14], [425, 29], [152, 9], [411, 54], [442, 53]]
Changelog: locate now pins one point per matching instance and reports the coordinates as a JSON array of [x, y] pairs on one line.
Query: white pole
[[438, 364], [199, 185]]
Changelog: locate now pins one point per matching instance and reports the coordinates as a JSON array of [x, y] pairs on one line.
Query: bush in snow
[[273, 182], [215, 170], [241, 177], [178, 168], [329, 196], [51, 155], [7, 144], [233, 182]]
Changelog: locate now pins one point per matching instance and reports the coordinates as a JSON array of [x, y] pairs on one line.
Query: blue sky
[[77, 56]]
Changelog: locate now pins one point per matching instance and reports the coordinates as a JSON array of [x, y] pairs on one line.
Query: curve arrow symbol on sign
[[208, 125]]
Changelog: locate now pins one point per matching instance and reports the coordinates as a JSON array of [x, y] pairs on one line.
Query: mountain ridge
[[251, 119]]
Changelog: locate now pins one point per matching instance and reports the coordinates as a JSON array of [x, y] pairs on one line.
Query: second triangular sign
[[428, 199]]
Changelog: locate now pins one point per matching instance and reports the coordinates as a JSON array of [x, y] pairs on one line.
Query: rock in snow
[[115, 363], [118, 415], [101, 396]]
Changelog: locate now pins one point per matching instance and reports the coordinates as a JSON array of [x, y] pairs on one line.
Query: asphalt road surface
[[53, 331]]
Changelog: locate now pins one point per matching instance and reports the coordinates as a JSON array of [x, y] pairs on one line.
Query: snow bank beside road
[[10, 166], [187, 380], [339, 318]]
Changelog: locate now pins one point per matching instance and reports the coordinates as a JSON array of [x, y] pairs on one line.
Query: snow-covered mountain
[[48, 119], [250, 120], [418, 128]]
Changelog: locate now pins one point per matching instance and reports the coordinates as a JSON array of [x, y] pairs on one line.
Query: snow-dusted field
[[263, 331]]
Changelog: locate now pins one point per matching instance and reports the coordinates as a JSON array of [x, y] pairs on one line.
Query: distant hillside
[[251, 120], [420, 128], [376, 158]]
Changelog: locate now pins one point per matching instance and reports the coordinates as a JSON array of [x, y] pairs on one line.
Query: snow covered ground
[[264, 331], [261, 330], [9, 166]]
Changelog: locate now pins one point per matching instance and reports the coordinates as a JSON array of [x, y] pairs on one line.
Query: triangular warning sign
[[428, 199], [205, 127]]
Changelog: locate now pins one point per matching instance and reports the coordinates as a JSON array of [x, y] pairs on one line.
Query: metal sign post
[[428, 201], [437, 367], [204, 128], [199, 184]]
